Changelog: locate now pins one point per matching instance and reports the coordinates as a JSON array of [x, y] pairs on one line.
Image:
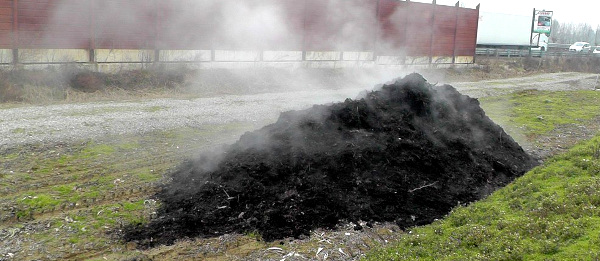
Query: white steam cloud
[[252, 25]]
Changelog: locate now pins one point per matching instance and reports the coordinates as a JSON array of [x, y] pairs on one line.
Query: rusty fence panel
[[384, 27]]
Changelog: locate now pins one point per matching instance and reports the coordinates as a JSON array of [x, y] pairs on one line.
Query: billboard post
[[531, 32], [541, 24]]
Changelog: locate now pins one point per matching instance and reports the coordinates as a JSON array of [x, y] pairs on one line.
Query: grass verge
[[551, 213], [69, 201], [536, 113]]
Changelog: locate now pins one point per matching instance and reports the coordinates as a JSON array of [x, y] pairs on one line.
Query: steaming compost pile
[[407, 152]]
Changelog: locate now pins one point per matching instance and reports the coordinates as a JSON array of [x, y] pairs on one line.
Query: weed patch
[[535, 113], [19, 131], [40, 201]]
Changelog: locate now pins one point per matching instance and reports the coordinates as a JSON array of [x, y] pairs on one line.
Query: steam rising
[[252, 25], [312, 25]]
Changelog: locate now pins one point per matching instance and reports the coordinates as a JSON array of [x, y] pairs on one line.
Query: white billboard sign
[[542, 22]]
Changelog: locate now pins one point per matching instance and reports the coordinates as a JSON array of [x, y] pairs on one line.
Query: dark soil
[[408, 152]]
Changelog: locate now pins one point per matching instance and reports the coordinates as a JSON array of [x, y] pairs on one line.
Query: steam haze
[[250, 26], [334, 25]]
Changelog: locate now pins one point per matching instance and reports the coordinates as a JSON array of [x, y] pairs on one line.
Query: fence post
[[476, 26], [92, 47], [304, 32], [377, 28], [406, 36], [15, 32], [431, 33], [156, 33], [456, 9], [531, 32]]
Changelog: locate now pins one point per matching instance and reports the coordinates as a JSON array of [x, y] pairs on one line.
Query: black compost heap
[[407, 152]]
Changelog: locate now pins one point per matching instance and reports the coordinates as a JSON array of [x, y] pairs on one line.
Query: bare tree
[[597, 38], [566, 33], [556, 32]]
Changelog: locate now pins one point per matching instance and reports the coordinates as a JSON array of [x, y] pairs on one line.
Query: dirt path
[[549, 82], [560, 139]]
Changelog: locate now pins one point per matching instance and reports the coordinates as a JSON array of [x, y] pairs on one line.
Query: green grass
[[534, 113], [154, 108], [102, 110], [40, 201], [551, 213], [9, 157], [18, 131], [147, 175], [95, 150]]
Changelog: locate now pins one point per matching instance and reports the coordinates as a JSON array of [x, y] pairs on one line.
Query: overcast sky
[[571, 11]]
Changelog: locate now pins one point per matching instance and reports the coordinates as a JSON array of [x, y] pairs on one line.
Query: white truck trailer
[[508, 31]]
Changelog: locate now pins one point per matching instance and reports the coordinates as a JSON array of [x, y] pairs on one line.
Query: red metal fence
[[387, 27]]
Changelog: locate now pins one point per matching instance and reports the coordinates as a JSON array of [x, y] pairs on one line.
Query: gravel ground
[[548, 82], [70, 122]]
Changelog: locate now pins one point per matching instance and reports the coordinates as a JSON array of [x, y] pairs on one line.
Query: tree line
[[568, 33]]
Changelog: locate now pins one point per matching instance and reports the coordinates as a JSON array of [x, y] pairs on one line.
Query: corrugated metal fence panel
[[319, 34], [388, 27], [265, 24], [294, 19], [187, 24], [340, 25], [6, 16], [231, 24], [355, 24], [53, 23], [241, 25], [444, 30], [419, 29], [125, 24], [392, 18], [466, 35]]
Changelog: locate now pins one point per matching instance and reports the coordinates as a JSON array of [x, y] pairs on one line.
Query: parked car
[[597, 50], [580, 47]]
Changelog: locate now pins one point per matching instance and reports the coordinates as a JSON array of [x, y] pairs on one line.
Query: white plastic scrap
[[319, 251], [275, 249]]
